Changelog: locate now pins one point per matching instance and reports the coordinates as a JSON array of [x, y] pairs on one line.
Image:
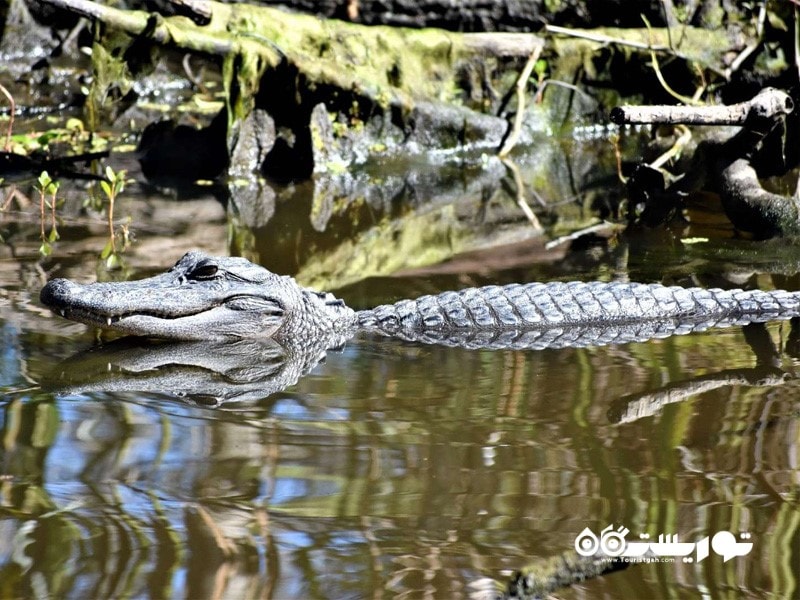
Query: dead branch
[[503, 44], [10, 129], [604, 39], [767, 104], [724, 165], [157, 28], [522, 84]]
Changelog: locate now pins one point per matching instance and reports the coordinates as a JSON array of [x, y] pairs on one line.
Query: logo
[[612, 543]]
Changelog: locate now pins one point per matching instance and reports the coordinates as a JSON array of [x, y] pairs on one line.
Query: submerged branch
[[748, 204], [724, 166]]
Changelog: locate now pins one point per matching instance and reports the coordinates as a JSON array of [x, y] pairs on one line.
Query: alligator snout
[[56, 293]]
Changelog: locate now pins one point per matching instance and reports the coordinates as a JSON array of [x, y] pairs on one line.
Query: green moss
[[714, 16], [552, 6], [387, 63]]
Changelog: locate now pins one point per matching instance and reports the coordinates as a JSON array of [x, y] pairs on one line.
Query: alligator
[[212, 298]]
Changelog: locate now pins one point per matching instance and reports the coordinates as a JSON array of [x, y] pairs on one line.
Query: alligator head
[[202, 297]]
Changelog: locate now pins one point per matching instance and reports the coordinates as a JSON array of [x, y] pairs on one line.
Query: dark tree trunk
[[484, 15]]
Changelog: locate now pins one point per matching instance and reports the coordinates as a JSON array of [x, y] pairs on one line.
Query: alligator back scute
[[591, 303], [767, 302], [565, 336], [476, 311], [455, 310], [522, 301], [664, 299], [542, 299], [626, 299], [504, 309], [543, 314], [714, 300]]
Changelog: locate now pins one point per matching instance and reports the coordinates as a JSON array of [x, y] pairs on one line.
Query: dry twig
[[521, 201], [10, 128], [522, 83]]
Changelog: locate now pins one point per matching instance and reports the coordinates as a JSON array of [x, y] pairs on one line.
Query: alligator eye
[[207, 271]]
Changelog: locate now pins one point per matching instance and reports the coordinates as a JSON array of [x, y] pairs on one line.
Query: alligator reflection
[[766, 373], [207, 374], [215, 373]]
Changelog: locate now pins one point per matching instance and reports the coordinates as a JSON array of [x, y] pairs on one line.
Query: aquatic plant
[[48, 188], [112, 186]]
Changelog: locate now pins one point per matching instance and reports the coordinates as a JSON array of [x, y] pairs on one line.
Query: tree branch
[[769, 103]]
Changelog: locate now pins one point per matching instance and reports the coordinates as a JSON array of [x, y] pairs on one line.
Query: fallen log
[[404, 83]]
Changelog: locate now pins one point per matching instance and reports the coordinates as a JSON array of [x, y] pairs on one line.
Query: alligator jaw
[[129, 308], [190, 326], [239, 303]]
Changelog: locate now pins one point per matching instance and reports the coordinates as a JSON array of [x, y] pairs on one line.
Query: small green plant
[[48, 188], [112, 186]]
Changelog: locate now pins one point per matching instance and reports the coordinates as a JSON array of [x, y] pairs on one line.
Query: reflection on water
[[390, 469]]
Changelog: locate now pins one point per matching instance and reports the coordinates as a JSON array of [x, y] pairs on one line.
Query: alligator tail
[[595, 312]]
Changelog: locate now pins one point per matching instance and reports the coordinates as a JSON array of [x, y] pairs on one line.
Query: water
[[368, 477], [391, 469]]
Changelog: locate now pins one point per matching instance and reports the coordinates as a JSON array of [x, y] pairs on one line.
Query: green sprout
[[47, 188], [112, 186]]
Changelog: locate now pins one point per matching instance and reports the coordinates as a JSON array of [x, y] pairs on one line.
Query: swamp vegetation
[[384, 150]]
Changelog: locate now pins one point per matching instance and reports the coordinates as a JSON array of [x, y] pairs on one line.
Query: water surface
[[391, 469]]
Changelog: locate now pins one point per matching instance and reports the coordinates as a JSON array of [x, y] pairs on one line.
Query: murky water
[[391, 469]]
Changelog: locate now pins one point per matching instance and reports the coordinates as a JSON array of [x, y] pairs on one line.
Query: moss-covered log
[[413, 87], [403, 83]]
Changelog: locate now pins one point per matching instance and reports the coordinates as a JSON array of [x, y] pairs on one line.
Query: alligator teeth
[[108, 321]]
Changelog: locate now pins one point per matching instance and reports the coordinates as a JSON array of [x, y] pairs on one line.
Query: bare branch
[[522, 83], [769, 103]]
